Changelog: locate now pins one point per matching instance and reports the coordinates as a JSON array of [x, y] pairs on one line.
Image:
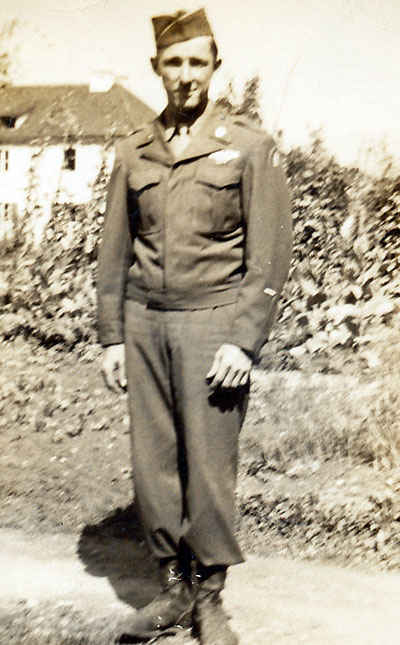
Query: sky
[[322, 65]]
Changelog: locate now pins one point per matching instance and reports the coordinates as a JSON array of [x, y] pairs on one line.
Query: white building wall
[[57, 184], [36, 178], [13, 181], [48, 180]]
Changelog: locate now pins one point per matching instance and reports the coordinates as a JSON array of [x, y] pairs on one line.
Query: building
[[55, 138]]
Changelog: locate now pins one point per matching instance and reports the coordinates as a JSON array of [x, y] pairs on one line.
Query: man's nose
[[186, 75]]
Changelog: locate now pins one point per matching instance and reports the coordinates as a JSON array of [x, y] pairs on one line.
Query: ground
[[65, 480], [60, 591]]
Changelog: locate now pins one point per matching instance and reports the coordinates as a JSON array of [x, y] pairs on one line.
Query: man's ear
[[154, 64], [217, 64]]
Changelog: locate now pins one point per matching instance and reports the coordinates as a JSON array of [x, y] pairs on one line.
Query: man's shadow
[[115, 548]]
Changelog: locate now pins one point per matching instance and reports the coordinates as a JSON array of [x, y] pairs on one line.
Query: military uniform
[[195, 252], [194, 255], [211, 227]]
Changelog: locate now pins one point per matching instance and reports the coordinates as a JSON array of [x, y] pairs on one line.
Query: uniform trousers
[[184, 436]]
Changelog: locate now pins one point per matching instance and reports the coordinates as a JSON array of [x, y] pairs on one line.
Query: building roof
[[44, 114]]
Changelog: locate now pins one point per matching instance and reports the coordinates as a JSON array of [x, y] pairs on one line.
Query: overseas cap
[[170, 29]]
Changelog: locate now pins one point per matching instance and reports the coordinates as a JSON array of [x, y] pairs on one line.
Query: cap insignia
[[221, 132]]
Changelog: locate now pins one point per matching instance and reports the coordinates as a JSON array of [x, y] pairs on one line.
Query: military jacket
[[209, 227]]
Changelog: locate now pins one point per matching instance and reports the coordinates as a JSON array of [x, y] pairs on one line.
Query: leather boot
[[211, 624], [168, 613]]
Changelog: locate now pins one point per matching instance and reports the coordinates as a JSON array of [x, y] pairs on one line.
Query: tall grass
[[298, 421]]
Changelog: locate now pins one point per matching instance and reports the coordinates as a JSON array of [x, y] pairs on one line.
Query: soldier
[[195, 252]]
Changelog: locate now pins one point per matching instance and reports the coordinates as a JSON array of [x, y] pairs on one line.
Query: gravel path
[[62, 590]]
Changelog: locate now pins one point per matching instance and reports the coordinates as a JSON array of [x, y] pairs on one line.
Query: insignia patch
[[220, 132], [224, 156], [275, 157]]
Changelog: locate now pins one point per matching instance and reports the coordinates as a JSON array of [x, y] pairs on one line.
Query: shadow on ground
[[115, 548]]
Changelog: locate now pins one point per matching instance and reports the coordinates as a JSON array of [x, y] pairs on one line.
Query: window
[[4, 160], [8, 121], [69, 159]]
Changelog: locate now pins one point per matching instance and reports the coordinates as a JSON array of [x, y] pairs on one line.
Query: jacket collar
[[151, 144], [213, 135]]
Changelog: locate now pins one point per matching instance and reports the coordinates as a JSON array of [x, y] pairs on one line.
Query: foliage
[[329, 523], [340, 299], [247, 104], [6, 33], [345, 273], [326, 417], [48, 289], [344, 280], [341, 292], [311, 479], [320, 466], [250, 102]]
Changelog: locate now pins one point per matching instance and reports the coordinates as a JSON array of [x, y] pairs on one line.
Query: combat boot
[[168, 613], [210, 621]]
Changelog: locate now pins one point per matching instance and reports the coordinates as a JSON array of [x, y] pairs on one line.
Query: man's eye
[[198, 62], [173, 62]]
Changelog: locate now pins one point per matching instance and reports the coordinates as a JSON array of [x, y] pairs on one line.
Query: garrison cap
[[175, 28]]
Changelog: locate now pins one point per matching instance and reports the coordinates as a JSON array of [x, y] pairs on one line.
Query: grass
[[320, 463], [320, 453], [308, 418]]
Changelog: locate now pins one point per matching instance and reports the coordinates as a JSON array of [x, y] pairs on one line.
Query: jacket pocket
[[146, 197], [219, 176], [219, 197], [144, 178]]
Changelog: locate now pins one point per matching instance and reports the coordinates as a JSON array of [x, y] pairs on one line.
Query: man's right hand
[[113, 367]]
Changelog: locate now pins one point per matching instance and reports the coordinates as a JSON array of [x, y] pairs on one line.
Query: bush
[[344, 280], [342, 288], [50, 291]]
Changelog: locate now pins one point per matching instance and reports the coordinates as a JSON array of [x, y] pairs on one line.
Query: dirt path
[[56, 590]]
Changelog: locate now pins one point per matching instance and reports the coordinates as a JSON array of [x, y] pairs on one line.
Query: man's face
[[186, 69]]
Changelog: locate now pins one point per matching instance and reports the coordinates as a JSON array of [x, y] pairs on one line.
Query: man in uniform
[[195, 252]]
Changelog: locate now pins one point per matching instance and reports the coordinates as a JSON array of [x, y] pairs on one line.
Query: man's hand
[[113, 367], [231, 367]]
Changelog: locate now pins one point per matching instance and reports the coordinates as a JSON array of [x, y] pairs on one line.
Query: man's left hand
[[231, 367]]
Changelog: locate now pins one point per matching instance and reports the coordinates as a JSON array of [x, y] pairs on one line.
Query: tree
[[250, 103], [6, 34], [247, 104]]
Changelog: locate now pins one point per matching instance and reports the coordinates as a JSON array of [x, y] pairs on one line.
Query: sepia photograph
[[199, 337]]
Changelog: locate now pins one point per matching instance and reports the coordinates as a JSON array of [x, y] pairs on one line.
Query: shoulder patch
[[274, 157]]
